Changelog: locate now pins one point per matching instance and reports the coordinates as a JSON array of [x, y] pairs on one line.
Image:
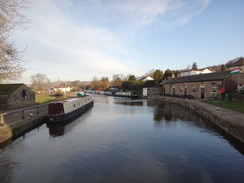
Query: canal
[[125, 140]]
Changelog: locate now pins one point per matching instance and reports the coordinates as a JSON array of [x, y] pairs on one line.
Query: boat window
[[74, 105]]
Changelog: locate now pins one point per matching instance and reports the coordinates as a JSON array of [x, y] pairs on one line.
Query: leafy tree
[[104, 83], [132, 78], [11, 60], [101, 84], [223, 67], [167, 74], [149, 83], [176, 73], [194, 66], [127, 86], [158, 76], [40, 82]]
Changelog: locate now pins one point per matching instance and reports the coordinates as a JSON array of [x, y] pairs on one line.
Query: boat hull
[[59, 118]]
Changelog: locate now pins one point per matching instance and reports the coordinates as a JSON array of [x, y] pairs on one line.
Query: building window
[[23, 94], [219, 86]]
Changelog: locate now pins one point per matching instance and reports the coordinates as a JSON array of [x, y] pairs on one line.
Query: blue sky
[[79, 39]]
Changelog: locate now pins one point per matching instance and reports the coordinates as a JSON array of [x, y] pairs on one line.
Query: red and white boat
[[65, 110]]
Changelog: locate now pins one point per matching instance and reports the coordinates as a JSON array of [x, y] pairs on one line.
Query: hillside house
[[16, 95], [146, 78], [61, 88], [200, 86], [237, 64], [194, 72]]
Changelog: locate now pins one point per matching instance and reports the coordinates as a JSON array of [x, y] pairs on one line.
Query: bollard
[[23, 114], [1, 120]]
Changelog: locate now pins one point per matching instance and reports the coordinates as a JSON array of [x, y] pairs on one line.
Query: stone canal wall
[[230, 121], [16, 123]]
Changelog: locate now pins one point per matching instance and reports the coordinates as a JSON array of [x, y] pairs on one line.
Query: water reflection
[[60, 129], [121, 140], [169, 112]]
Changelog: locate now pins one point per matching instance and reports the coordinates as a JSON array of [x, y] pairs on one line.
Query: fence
[[23, 114], [237, 97]]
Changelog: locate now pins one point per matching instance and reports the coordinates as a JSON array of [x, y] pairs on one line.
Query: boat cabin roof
[[68, 100]]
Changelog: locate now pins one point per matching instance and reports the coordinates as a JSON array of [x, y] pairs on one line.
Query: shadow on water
[[168, 112], [61, 129], [22, 134]]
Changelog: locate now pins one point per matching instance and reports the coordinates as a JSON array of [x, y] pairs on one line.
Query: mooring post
[[1, 120], [23, 114]]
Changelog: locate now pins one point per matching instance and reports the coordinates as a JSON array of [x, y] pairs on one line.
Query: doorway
[[202, 93]]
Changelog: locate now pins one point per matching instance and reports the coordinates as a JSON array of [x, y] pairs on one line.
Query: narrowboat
[[64, 110]]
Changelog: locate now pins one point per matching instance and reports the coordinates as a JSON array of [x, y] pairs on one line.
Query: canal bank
[[18, 122], [230, 121]]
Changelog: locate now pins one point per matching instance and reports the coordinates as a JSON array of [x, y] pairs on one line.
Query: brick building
[[200, 86], [16, 95]]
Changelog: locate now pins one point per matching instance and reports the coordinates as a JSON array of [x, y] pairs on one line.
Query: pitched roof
[[198, 78], [188, 70], [145, 77], [6, 89], [239, 62]]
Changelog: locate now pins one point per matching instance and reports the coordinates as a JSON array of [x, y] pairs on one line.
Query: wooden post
[[1, 120], [23, 114], [37, 112]]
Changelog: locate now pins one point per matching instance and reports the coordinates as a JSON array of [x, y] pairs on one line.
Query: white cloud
[[95, 36]]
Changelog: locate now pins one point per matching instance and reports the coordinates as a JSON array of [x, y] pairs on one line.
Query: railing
[[22, 114]]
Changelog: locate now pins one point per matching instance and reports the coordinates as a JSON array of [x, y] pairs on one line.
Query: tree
[[230, 85], [95, 83], [150, 73], [223, 67], [118, 80], [132, 78], [11, 60], [167, 74], [158, 76], [40, 82], [76, 85], [194, 66], [104, 83], [176, 73]]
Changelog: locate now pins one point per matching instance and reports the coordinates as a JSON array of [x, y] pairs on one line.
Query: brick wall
[[238, 78], [196, 89]]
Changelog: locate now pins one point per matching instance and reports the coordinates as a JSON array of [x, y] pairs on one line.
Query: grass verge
[[44, 98], [233, 105]]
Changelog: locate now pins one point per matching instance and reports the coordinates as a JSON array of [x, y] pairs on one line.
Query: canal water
[[127, 141]]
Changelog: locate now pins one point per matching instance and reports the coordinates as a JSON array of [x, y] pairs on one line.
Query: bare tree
[[11, 60], [40, 83], [150, 73], [118, 79]]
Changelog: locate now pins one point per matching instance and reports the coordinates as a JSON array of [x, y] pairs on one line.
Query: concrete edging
[[230, 121]]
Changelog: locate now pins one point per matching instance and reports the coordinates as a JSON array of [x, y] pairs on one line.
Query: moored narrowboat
[[65, 110]]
